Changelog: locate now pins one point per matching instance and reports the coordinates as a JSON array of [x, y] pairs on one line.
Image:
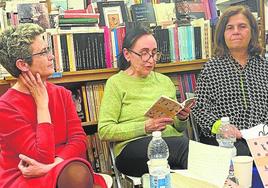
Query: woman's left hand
[[31, 168], [184, 113]]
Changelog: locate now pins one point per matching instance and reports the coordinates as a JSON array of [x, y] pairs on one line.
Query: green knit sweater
[[124, 103]]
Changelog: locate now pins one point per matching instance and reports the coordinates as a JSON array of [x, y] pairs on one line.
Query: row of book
[[98, 48], [162, 12], [111, 13], [87, 98], [99, 155], [78, 18], [184, 83]]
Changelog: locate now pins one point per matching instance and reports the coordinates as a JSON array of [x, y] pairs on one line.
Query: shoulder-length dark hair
[[131, 37], [220, 47]]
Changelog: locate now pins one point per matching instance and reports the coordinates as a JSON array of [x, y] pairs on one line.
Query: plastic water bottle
[[158, 165], [227, 142], [224, 141]]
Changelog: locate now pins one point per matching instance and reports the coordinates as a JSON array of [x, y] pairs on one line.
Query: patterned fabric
[[225, 88]]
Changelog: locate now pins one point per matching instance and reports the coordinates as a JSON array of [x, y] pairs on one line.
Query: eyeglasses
[[44, 52], [145, 55]]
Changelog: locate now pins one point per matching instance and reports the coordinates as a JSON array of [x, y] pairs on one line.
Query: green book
[[78, 20]]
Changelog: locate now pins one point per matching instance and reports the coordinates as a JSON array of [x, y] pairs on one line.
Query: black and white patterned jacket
[[225, 88]]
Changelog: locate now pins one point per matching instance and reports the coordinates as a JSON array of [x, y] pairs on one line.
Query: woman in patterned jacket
[[234, 82]]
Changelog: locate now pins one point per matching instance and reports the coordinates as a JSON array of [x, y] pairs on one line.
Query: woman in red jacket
[[41, 138]]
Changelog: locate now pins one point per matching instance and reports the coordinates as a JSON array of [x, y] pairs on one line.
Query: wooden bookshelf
[[90, 123], [3, 82], [104, 74]]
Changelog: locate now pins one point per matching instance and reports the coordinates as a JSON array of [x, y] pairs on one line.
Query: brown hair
[[220, 47]]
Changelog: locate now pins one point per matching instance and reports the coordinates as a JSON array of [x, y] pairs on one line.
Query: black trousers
[[240, 144], [133, 159]]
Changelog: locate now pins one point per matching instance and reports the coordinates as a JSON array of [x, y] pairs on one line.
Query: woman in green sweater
[[128, 95]]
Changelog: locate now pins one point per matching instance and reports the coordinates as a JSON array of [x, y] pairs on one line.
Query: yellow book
[[164, 12], [85, 102], [70, 47]]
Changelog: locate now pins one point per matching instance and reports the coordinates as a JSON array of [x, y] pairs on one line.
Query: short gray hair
[[15, 43]]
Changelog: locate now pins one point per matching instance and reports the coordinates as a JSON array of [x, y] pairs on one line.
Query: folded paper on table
[[204, 161], [254, 132], [182, 179], [167, 107]]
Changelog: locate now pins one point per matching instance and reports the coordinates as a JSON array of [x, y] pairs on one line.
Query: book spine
[[70, 47], [78, 20], [79, 15], [84, 94], [107, 45], [64, 53]]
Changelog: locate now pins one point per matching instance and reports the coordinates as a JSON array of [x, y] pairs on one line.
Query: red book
[[120, 32], [207, 9], [186, 83], [176, 43], [108, 47], [80, 15], [75, 11], [180, 87], [193, 78]]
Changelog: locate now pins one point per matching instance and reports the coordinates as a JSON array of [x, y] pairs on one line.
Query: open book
[[167, 107]]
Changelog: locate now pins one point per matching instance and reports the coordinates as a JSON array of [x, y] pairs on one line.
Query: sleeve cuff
[[216, 126], [45, 123]]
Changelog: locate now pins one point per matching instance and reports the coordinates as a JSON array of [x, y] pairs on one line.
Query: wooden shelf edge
[[103, 74], [3, 82], [180, 66], [93, 123]]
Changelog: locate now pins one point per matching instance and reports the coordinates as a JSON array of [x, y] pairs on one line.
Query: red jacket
[[21, 134]]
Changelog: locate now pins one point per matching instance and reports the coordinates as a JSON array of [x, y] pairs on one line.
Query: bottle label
[[160, 181]]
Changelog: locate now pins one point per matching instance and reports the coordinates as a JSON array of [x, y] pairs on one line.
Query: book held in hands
[[167, 107]]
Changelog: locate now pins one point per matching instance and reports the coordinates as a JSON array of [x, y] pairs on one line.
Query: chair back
[[192, 130]]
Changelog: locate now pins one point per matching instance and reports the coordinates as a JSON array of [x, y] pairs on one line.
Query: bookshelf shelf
[[227, 2], [3, 82], [103, 74], [180, 66], [92, 123]]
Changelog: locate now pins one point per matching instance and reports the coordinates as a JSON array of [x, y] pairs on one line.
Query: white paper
[[255, 132], [209, 163]]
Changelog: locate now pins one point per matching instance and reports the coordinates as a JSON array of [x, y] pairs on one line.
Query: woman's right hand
[[157, 124], [36, 87], [230, 131], [38, 90]]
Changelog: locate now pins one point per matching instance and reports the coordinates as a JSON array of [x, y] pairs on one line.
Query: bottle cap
[[156, 134], [225, 120]]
